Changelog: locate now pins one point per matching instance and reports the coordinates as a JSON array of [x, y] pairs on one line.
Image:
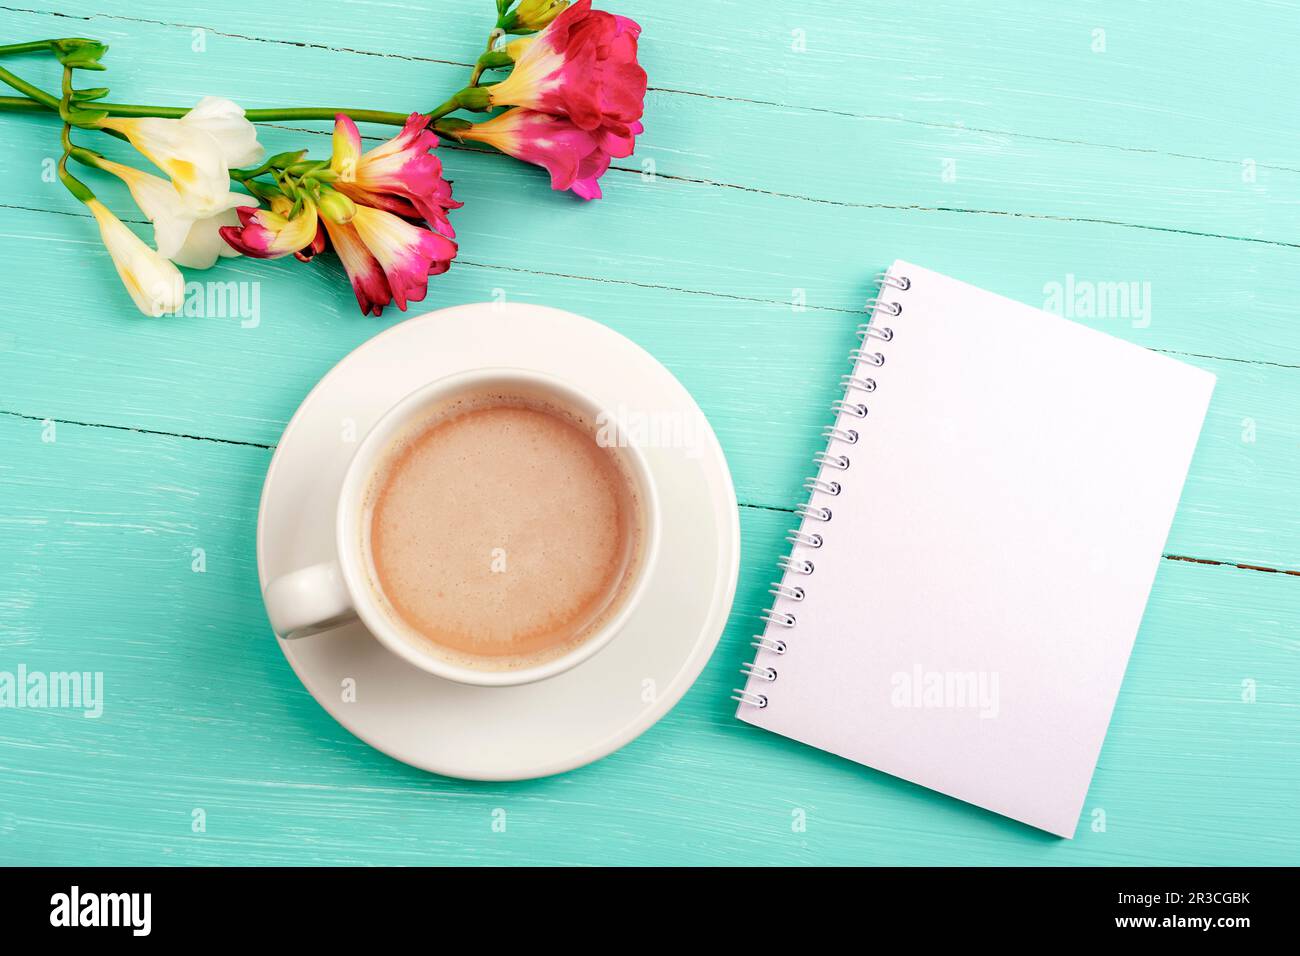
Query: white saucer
[[508, 733]]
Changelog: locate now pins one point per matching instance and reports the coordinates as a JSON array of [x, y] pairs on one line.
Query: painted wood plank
[[202, 712], [830, 155], [764, 374], [1161, 81], [821, 256]]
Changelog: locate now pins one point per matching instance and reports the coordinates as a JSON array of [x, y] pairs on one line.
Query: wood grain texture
[[791, 152]]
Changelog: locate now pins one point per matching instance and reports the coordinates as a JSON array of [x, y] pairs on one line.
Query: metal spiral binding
[[871, 358], [827, 460], [819, 486], [831, 488], [859, 382], [810, 511], [779, 618], [789, 592], [762, 673], [807, 539], [794, 566], [889, 308]]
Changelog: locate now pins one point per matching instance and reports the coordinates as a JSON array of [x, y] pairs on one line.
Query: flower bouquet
[[559, 82]]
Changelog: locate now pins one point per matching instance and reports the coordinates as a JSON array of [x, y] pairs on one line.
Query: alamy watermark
[[40, 690], [969, 690], [1085, 299], [643, 428], [218, 300], [76, 908]]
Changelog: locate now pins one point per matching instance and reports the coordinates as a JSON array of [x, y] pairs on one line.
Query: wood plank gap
[[1231, 564], [302, 44], [139, 431]]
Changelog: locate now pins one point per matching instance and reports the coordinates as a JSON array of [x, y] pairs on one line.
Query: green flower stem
[[32, 46], [86, 157], [71, 182], [65, 104], [38, 100], [382, 117], [74, 185], [262, 116], [496, 34], [448, 127], [28, 90], [21, 104]]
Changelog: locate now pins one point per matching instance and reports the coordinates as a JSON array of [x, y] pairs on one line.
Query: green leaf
[[495, 60], [278, 161], [451, 125], [87, 118], [77, 64], [285, 160], [306, 166], [261, 190], [86, 96], [80, 53]]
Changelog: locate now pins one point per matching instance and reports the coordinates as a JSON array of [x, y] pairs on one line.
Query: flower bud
[[475, 98], [533, 15], [336, 207]]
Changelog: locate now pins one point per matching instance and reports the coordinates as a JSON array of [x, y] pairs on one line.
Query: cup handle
[[308, 601]]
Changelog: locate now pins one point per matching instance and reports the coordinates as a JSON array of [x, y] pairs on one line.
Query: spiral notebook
[[973, 560]]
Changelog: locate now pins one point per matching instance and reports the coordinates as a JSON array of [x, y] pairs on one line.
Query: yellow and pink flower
[[273, 233], [388, 258], [400, 175], [395, 187]]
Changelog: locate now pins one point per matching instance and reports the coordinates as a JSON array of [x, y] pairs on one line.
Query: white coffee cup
[[317, 598]]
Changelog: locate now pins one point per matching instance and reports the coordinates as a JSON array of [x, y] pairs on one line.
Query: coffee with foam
[[500, 531]]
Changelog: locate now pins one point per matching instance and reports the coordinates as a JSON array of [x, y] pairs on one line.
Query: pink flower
[[399, 176], [576, 158], [270, 234], [611, 142], [388, 258], [583, 66]]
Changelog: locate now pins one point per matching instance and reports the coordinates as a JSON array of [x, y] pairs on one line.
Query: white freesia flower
[[155, 284], [182, 234], [197, 150], [225, 121], [204, 245]]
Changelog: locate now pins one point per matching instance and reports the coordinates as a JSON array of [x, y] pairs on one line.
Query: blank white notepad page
[[981, 579]]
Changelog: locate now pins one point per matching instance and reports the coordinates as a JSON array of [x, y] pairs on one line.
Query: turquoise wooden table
[[792, 150]]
